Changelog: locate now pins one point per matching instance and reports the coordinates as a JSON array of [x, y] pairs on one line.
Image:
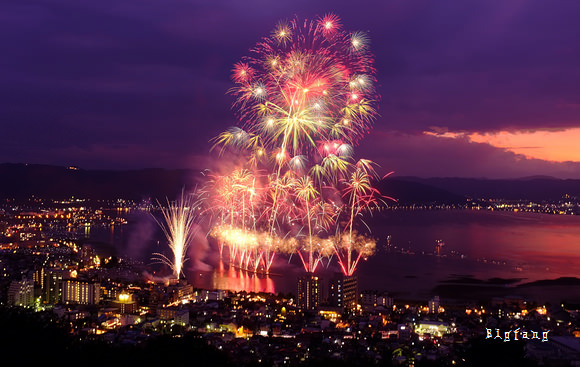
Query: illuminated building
[[384, 300], [434, 305], [350, 292], [329, 314], [109, 291], [343, 292], [404, 332], [81, 292], [155, 298], [52, 286], [308, 292], [433, 328], [369, 298], [180, 290], [335, 290], [178, 315], [89, 257], [38, 276], [21, 293], [125, 303], [215, 295]]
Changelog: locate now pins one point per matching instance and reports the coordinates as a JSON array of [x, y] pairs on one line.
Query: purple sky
[[142, 83]]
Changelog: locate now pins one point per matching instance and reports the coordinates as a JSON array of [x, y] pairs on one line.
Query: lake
[[480, 244]]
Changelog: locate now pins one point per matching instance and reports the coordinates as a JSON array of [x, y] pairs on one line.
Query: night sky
[[468, 88]]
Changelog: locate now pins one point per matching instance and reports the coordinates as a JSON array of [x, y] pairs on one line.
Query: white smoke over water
[[141, 237], [198, 250]]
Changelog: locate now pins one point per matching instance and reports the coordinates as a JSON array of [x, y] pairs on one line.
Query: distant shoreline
[[541, 291]]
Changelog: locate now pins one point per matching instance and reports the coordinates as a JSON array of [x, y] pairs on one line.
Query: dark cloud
[[140, 82]]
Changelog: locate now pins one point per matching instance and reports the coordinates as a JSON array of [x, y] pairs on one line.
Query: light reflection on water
[[233, 279]]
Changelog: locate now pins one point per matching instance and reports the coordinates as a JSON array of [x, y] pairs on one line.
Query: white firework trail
[[179, 228]]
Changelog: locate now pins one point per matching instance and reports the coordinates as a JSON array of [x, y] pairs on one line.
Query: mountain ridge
[[540, 188], [23, 181]]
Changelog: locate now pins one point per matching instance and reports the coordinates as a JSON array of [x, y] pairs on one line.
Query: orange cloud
[[555, 146]]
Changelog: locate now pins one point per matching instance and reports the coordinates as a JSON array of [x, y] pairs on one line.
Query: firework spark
[[180, 217]]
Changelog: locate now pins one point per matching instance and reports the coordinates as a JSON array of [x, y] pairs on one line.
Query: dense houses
[[114, 305], [109, 300]]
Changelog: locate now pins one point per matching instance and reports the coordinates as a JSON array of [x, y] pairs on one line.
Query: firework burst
[[304, 97], [308, 81]]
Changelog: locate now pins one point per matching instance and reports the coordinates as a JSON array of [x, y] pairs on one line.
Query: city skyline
[[469, 90]]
